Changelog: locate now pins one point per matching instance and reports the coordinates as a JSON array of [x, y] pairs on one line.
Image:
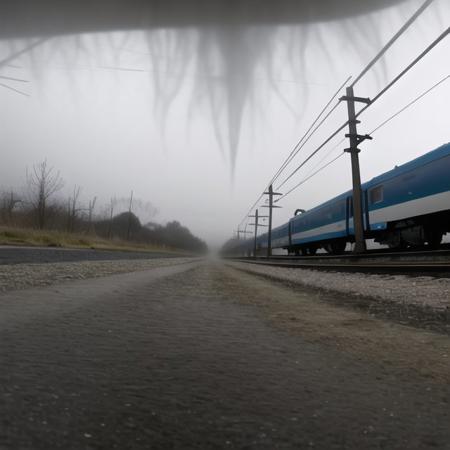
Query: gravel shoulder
[[10, 255], [23, 276]]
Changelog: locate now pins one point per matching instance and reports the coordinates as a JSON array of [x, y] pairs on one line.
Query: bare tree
[[42, 183], [145, 210], [91, 212], [9, 202], [129, 216], [112, 205], [73, 209]]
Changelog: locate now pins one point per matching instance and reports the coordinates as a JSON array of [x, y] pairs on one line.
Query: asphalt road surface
[[183, 357], [40, 255]]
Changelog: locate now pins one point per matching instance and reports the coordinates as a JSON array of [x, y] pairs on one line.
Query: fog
[[195, 108]]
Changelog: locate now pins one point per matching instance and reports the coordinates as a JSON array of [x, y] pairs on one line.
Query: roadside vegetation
[[42, 214], [53, 238]]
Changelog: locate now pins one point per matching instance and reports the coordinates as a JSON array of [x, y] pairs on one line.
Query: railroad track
[[431, 263]]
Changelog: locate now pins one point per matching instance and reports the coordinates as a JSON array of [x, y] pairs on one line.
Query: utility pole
[[270, 193], [256, 224], [256, 232], [239, 232], [355, 140]]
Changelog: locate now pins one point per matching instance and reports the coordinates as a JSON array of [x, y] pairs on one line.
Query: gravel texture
[[22, 276], [204, 356], [420, 291], [422, 302]]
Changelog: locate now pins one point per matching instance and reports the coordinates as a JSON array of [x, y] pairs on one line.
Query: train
[[408, 206]]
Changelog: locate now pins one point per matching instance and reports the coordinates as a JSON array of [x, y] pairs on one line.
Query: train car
[[407, 206], [410, 205], [326, 225], [261, 244], [404, 207], [281, 236]]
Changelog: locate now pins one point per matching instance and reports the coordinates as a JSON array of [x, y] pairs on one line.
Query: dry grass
[[49, 238]]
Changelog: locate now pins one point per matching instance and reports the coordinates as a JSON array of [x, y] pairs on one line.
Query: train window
[[376, 195]]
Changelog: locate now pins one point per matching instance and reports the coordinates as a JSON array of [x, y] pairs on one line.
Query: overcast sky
[[97, 115]]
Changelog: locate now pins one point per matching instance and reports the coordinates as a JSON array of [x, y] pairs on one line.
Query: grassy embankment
[[49, 238]]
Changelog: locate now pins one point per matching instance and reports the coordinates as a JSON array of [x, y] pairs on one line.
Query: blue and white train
[[407, 206]]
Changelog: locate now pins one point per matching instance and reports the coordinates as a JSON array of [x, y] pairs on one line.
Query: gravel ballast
[[419, 291], [419, 301]]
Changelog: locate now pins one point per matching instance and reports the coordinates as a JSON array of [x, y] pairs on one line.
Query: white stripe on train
[[400, 211], [412, 208]]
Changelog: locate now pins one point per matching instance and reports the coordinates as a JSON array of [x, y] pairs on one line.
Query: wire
[[442, 36], [312, 154], [423, 94], [307, 139], [392, 40], [298, 146], [15, 55], [14, 89], [327, 155], [251, 208], [394, 115], [3, 77], [310, 176], [377, 97], [410, 104], [292, 155]]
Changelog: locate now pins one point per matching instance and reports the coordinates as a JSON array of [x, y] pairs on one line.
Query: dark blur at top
[[32, 18]]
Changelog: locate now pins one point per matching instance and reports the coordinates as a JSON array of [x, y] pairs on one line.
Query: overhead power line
[[409, 104], [3, 77], [15, 55], [310, 176], [299, 144], [313, 154], [251, 208], [442, 36], [377, 97], [15, 90], [315, 172], [413, 18], [6, 62], [295, 151]]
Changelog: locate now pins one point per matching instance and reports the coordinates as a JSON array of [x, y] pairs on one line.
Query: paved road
[[174, 358], [26, 255]]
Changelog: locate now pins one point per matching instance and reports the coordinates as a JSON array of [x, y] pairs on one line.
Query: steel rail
[[438, 269], [435, 263]]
